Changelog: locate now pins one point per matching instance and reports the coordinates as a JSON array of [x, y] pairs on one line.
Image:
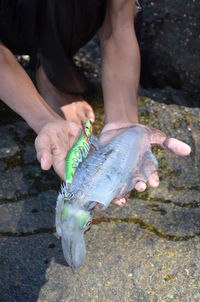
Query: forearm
[[19, 93], [120, 71]]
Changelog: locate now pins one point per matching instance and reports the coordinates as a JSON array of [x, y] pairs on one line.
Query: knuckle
[[37, 141]]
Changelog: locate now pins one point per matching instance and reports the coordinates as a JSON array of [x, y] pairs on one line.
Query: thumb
[[43, 150], [171, 144], [178, 147]]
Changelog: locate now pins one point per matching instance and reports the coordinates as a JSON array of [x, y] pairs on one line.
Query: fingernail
[[91, 119], [142, 186], [42, 162]]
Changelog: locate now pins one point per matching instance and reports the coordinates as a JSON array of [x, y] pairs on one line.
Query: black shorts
[[54, 29]]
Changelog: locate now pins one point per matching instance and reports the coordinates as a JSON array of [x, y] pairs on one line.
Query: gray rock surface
[[146, 251], [170, 50]]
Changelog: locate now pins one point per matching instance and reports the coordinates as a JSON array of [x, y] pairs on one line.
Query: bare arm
[[55, 135], [120, 62], [120, 80], [19, 93]]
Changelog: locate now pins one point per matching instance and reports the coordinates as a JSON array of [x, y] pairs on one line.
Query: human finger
[[62, 144], [43, 150], [177, 147], [119, 202], [148, 165], [59, 167], [82, 117], [153, 180], [140, 186], [171, 144], [139, 182], [59, 154], [89, 112]]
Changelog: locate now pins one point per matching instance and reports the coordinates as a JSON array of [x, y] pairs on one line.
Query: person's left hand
[[158, 138]]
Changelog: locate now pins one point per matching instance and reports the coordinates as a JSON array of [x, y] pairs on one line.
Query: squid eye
[[84, 220], [88, 223]]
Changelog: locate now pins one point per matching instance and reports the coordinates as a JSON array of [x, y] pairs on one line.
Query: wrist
[[121, 110], [39, 115], [38, 123], [122, 118], [116, 126]]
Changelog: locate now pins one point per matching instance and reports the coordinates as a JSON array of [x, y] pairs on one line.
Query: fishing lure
[[79, 151]]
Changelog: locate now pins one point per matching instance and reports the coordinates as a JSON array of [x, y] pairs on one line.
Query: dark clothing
[[54, 29], [65, 28], [19, 25], [27, 25]]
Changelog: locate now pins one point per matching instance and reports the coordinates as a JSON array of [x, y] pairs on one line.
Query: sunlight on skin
[[70, 107], [158, 138], [53, 152], [78, 112], [52, 149]]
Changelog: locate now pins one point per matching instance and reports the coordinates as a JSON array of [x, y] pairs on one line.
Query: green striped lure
[[79, 151]]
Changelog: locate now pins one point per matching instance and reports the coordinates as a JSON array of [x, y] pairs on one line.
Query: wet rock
[[9, 146], [23, 265], [170, 50], [146, 251], [89, 59], [29, 216], [127, 263], [11, 183], [184, 124], [124, 262]]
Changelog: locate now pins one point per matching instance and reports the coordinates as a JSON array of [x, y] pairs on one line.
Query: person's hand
[[158, 138], [53, 142]]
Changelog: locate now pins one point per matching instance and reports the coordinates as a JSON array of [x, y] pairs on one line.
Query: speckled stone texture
[[170, 50], [146, 251]]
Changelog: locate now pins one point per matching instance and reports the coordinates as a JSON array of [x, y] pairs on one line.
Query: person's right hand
[[53, 142]]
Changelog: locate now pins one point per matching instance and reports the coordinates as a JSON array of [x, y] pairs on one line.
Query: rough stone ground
[[170, 50], [146, 251]]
